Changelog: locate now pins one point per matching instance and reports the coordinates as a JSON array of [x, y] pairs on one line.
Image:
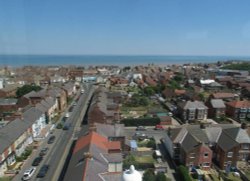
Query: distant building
[[216, 107], [239, 110], [192, 110]]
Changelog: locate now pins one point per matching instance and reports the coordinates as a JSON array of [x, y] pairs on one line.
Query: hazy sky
[[165, 27]]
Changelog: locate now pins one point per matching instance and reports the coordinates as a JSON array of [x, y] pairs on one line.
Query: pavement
[[58, 151]]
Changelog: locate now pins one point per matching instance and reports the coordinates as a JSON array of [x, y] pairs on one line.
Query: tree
[[183, 173], [151, 143], [128, 161], [148, 175], [160, 177], [149, 91], [26, 89]]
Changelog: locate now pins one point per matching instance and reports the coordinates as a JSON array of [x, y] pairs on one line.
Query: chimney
[[202, 126], [243, 126]]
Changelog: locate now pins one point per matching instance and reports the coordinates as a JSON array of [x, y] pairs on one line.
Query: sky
[[125, 27]]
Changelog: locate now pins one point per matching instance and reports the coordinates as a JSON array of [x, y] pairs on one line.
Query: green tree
[[151, 144], [128, 161], [148, 175], [26, 89], [183, 173], [160, 177], [149, 91]]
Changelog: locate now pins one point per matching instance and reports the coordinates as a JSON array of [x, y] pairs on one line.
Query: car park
[[28, 173], [37, 161], [42, 172], [51, 139], [43, 151]]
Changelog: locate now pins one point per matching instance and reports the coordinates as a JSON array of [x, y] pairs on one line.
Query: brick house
[[193, 145], [8, 91], [93, 157], [192, 110], [239, 110], [8, 105], [225, 96], [188, 145], [14, 138], [216, 108]]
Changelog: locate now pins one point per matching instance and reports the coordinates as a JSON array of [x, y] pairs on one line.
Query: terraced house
[[194, 145]]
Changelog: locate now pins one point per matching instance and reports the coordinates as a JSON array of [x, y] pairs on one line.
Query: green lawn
[[5, 178], [233, 178], [247, 172], [145, 159], [214, 177]]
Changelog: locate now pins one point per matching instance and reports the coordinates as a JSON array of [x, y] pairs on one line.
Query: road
[[58, 151]]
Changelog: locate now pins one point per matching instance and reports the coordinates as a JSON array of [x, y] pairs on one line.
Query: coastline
[[117, 60]]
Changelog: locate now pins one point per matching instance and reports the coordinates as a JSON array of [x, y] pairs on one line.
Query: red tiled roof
[[239, 104], [113, 145], [221, 95], [179, 91], [93, 138], [98, 140]]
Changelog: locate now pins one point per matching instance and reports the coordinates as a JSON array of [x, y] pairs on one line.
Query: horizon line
[[181, 55]]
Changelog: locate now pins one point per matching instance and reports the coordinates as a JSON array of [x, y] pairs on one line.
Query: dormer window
[[230, 154]]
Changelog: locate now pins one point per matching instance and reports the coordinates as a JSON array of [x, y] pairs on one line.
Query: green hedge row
[[141, 122]]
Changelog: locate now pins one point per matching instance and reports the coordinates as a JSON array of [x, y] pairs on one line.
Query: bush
[[160, 177], [26, 89], [149, 175], [141, 122], [183, 173], [59, 126], [151, 144], [25, 154]]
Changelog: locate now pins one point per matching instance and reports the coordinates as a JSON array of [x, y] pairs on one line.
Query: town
[[133, 123]]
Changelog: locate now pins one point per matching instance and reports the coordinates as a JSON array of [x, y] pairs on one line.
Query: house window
[[245, 146], [192, 155], [191, 164], [206, 164], [206, 154], [230, 154], [242, 115]]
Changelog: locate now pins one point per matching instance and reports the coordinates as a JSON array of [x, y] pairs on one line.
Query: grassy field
[[145, 159], [247, 172], [5, 178]]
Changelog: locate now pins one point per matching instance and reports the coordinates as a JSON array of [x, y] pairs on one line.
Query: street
[[58, 150]]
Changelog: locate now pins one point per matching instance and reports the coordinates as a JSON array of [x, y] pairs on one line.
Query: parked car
[[42, 172], [28, 173], [37, 161], [66, 126], [43, 151], [67, 115], [51, 139], [141, 128], [159, 127]]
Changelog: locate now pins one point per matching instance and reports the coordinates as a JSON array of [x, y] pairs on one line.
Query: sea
[[119, 60]]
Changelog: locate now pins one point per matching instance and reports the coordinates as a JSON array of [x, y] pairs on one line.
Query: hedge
[[141, 122], [183, 173]]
